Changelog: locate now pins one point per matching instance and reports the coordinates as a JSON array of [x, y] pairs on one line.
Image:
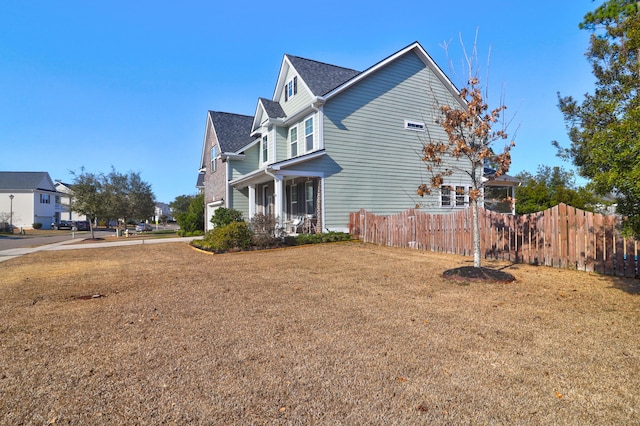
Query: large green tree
[[112, 196], [128, 196], [180, 204], [88, 196], [551, 186], [189, 212], [604, 129]]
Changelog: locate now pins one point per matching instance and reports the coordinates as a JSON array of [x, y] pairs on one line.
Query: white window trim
[[214, 158], [308, 184], [264, 146], [293, 84], [313, 133], [453, 196], [291, 155], [416, 126]]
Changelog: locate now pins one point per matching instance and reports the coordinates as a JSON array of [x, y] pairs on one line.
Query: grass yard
[[349, 333]]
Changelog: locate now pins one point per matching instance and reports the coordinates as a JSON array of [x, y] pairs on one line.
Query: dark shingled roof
[[22, 180], [200, 180], [272, 108], [233, 130], [320, 77]]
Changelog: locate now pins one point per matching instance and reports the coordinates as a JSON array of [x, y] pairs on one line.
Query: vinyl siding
[[240, 201], [301, 100], [249, 164], [379, 160], [282, 140]]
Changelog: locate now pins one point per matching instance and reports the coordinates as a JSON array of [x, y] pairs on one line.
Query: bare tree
[[470, 135]]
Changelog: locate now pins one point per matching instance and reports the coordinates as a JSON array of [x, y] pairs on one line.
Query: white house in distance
[[162, 209], [28, 198], [63, 203]]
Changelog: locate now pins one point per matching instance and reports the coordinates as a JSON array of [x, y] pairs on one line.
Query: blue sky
[[127, 84]]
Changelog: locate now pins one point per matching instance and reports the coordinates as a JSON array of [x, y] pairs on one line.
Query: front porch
[[295, 202]]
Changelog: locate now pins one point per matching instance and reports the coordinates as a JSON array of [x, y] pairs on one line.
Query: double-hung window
[[265, 149], [44, 199], [461, 196], [308, 134], [445, 195], [214, 156], [293, 141], [454, 196], [291, 89]]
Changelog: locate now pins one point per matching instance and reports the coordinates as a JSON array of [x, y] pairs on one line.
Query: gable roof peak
[[320, 77], [231, 129]]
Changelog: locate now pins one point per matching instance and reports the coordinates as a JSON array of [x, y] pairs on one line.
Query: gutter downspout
[[228, 185]]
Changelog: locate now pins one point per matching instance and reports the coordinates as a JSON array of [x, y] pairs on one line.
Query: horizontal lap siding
[[248, 165], [300, 101], [364, 134], [240, 200], [561, 237]]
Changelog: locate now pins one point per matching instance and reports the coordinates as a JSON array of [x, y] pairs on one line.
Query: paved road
[[65, 242], [11, 242]]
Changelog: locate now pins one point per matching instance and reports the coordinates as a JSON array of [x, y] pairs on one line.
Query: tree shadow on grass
[[628, 285]]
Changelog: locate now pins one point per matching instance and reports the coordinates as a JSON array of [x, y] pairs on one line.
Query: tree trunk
[[476, 233]]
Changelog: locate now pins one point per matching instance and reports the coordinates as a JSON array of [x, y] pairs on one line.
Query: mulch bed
[[471, 273]]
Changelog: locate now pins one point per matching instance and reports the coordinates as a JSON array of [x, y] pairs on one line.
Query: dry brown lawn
[[334, 334]]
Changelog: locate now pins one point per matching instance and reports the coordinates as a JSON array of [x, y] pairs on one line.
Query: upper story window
[[265, 149], [214, 157], [293, 141], [414, 125], [308, 134], [291, 89], [45, 199]]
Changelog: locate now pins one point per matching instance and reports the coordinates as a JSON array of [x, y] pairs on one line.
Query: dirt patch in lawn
[[327, 334]]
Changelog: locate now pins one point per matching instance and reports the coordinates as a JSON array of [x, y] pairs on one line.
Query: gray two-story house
[[331, 141]]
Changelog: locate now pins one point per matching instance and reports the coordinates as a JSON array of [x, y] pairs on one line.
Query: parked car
[[83, 225], [63, 224], [143, 227]]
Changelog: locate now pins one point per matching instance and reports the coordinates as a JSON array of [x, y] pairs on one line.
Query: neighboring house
[[226, 136], [34, 198], [162, 209], [500, 192], [64, 209], [331, 141]]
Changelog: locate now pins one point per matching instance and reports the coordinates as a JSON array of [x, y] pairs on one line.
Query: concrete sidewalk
[[75, 245]]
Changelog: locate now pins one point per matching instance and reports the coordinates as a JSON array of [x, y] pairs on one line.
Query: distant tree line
[[551, 186]]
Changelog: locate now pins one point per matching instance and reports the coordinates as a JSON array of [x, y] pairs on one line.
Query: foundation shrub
[[224, 216], [265, 231], [234, 236]]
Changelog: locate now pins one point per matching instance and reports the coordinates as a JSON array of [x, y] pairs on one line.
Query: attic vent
[[414, 125]]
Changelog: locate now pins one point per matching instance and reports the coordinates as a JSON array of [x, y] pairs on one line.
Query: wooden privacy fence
[[562, 237]]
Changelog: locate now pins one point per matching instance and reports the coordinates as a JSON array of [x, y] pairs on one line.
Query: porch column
[[252, 201], [278, 184]]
